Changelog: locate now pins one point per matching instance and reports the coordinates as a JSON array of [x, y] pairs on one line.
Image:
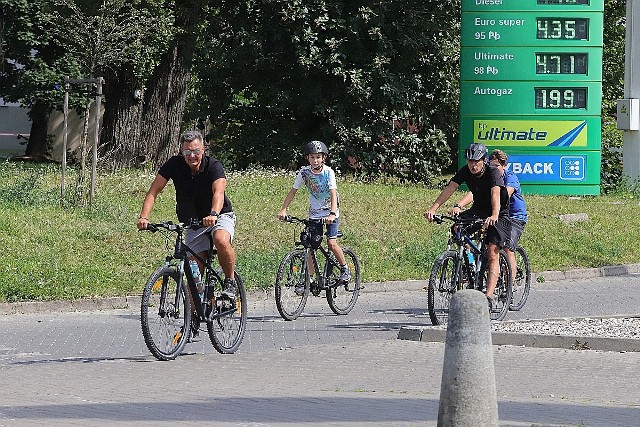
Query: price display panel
[[564, 2], [539, 29], [531, 84], [561, 98], [522, 97], [562, 28], [524, 63], [561, 63], [532, 5]]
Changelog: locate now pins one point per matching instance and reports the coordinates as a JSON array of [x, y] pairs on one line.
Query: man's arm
[[443, 197], [156, 187], [466, 199], [495, 206], [218, 187]]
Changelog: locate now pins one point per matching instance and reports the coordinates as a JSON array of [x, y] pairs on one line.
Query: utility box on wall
[[628, 114]]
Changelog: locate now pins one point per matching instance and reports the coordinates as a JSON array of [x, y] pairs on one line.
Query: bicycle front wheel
[[165, 314], [226, 330], [502, 292], [342, 297], [442, 285], [292, 289], [521, 280]]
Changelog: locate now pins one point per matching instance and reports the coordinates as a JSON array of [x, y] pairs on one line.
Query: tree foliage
[[611, 172], [377, 81], [280, 73], [50, 39]]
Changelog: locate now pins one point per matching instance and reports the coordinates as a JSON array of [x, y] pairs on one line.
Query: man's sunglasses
[[195, 152]]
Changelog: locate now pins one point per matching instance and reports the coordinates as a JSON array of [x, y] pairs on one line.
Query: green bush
[[611, 175]]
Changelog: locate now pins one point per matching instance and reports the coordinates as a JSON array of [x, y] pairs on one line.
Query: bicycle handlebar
[[171, 226], [292, 219], [440, 219], [305, 221]]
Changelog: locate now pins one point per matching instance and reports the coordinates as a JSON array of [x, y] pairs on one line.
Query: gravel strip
[[611, 327]]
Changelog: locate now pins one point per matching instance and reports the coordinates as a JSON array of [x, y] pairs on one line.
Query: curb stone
[[569, 342], [133, 301]]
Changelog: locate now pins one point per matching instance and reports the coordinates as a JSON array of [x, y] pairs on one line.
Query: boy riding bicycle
[[320, 180]]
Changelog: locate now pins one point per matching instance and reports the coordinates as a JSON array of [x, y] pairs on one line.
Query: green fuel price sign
[[531, 84], [527, 64]]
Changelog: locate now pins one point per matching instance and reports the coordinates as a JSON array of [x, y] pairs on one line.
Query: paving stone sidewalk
[[91, 368]]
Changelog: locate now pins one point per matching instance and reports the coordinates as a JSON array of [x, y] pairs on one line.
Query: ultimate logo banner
[[531, 133]]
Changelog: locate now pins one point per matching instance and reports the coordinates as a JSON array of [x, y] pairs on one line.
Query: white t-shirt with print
[[318, 185]]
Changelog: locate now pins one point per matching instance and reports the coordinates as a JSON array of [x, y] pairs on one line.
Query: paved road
[[92, 368]]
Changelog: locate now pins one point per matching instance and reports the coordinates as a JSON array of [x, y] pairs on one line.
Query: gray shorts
[[198, 240], [500, 232], [517, 227]]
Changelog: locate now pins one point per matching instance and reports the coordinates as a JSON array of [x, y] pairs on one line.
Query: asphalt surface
[[72, 364]]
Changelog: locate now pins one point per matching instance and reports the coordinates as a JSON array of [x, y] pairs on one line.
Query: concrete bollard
[[468, 390]]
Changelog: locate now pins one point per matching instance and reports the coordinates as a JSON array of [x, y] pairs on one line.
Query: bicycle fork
[[311, 266]]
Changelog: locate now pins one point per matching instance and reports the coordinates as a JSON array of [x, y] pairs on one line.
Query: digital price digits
[[561, 63], [562, 28], [561, 97]]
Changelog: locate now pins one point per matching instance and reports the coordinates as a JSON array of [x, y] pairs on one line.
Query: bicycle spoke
[[162, 314], [502, 292], [342, 297], [291, 287], [227, 328], [441, 288], [521, 281]]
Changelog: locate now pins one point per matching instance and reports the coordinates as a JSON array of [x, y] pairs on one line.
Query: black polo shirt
[[194, 193]]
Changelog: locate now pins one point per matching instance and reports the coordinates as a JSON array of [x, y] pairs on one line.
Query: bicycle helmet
[[316, 147], [476, 151]]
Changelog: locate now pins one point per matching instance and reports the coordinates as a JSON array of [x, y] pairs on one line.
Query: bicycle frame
[[311, 253], [462, 242], [181, 253]]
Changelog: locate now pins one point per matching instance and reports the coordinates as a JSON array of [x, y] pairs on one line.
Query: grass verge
[[73, 252]]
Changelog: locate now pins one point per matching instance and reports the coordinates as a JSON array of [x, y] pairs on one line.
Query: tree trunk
[[165, 100], [37, 146], [120, 138]]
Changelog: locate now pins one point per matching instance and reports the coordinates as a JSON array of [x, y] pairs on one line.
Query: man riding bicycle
[[200, 185], [517, 205], [490, 201]]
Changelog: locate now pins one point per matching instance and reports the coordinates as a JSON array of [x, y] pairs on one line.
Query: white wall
[[13, 122]]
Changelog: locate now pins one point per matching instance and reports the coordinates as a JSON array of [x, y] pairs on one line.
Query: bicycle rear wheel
[[165, 314], [521, 280], [502, 292], [227, 328], [342, 297], [292, 289], [442, 285]]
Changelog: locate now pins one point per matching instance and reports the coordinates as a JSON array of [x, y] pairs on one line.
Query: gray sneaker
[[229, 289], [345, 274]]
